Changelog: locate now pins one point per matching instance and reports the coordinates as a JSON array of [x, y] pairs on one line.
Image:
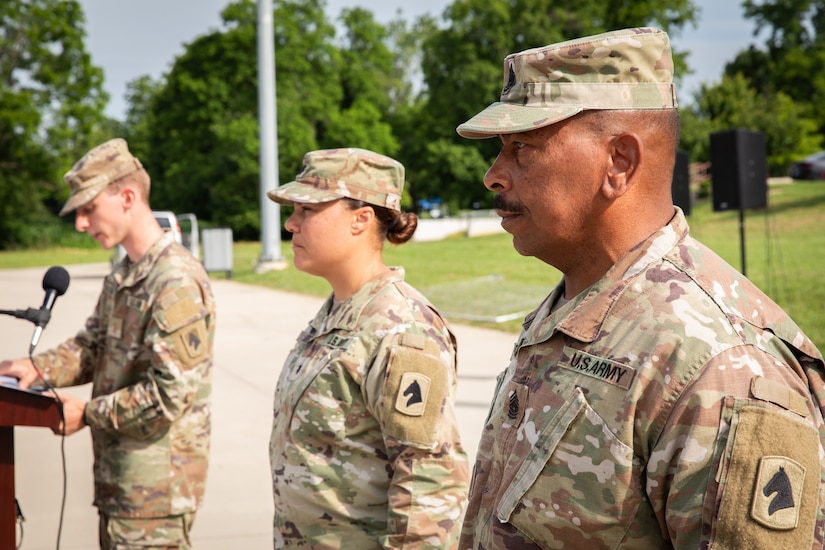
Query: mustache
[[501, 203]]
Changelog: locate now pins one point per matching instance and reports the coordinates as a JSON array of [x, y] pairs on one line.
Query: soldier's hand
[[73, 411], [22, 369]]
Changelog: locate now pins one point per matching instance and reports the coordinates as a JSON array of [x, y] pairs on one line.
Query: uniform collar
[[583, 317], [346, 314], [128, 273]]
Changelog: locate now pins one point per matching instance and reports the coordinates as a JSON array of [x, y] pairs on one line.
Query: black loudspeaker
[[680, 188], [739, 170]]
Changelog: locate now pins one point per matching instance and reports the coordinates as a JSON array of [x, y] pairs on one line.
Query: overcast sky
[[129, 39]]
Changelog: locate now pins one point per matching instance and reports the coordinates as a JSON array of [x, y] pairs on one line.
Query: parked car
[[811, 167], [433, 206]]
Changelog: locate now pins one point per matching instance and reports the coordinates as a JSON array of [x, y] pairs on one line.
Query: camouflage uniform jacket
[[147, 349], [365, 451], [670, 405]]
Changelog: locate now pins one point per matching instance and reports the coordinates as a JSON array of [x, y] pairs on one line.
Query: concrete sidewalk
[[256, 329]]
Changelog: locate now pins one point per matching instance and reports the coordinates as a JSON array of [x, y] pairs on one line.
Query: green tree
[[51, 108], [367, 83], [734, 103], [137, 128], [792, 61], [201, 121], [408, 114]]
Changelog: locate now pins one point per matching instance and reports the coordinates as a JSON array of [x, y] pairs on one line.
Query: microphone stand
[[37, 316], [40, 317]]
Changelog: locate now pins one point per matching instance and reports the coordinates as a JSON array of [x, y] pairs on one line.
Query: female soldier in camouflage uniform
[[365, 450]]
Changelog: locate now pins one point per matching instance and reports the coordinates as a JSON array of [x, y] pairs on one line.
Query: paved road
[[256, 329]]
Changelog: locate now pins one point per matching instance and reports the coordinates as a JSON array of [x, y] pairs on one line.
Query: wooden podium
[[18, 408]]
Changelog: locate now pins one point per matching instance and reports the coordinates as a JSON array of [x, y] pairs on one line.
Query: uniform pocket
[[577, 478]]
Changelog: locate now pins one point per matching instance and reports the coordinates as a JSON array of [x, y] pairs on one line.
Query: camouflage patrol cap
[[331, 174], [98, 168], [624, 69]]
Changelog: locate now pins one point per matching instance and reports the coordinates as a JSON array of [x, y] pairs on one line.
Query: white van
[[167, 221]]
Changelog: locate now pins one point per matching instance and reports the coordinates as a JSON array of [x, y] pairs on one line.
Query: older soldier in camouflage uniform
[[365, 449], [147, 349], [656, 398]]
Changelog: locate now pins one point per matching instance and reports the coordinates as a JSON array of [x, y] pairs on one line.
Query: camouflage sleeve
[[745, 418], [416, 410], [72, 362], [178, 346]]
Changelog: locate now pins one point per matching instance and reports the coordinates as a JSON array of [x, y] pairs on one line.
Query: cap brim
[[300, 192], [508, 118], [79, 199]]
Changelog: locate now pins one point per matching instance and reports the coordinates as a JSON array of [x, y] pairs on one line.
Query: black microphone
[[55, 283]]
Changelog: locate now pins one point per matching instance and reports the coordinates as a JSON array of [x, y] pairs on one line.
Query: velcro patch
[[598, 367], [191, 343], [177, 309], [779, 394], [412, 394], [412, 375], [777, 492], [768, 501], [412, 340]]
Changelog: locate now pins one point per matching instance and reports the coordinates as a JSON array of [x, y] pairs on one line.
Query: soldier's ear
[[128, 197], [362, 218], [623, 158]]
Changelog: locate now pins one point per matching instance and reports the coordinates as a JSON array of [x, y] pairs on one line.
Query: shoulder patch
[[191, 343], [416, 386], [412, 393], [771, 490], [777, 492]]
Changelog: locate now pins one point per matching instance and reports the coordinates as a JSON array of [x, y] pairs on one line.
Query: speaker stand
[[742, 238]]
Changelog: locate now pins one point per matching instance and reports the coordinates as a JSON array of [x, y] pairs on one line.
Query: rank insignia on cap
[[412, 394], [511, 80], [778, 492]]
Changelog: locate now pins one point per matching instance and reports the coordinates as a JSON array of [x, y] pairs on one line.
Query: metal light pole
[[267, 114]]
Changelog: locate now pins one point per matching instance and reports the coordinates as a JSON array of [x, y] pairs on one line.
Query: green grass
[[485, 277], [784, 249], [481, 277], [52, 256]]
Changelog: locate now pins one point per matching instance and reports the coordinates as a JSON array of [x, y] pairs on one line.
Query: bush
[[49, 234]]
